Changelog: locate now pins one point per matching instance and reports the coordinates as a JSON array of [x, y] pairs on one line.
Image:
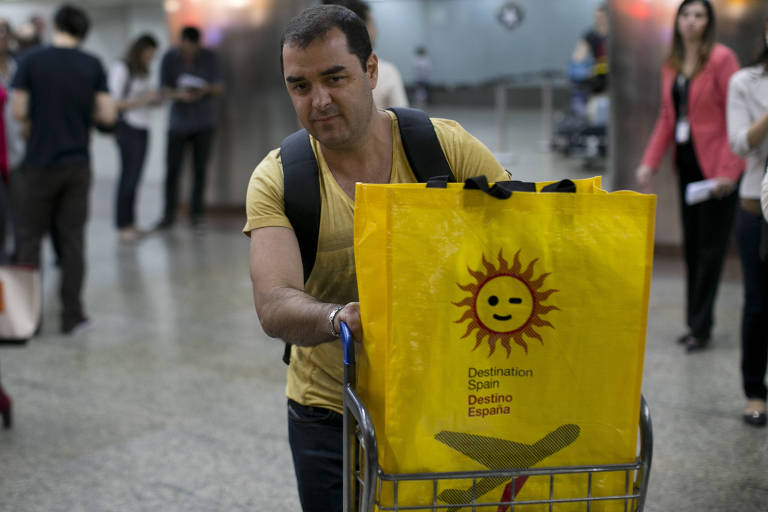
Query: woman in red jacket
[[694, 87]]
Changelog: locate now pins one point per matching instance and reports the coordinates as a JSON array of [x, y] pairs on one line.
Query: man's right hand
[[350, 315]]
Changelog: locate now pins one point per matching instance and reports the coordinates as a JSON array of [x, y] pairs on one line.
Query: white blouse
[[118, 75], [748, 102]]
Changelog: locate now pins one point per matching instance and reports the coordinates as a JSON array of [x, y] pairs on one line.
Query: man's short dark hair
[[315, 22], [191, 34], [358, 7], [72, 20]]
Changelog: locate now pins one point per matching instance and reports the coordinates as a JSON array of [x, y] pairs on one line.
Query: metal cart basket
[[364, 479]]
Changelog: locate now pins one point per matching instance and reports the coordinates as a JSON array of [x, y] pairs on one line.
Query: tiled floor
[[173, 400]]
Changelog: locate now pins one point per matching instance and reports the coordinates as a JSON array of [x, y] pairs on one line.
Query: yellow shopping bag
[[502, 333]]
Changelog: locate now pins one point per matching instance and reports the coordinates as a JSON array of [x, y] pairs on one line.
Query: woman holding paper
[[748, 132], [694, 84]]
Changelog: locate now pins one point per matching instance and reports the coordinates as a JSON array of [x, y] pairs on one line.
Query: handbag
[[20, 302], [502, 329]]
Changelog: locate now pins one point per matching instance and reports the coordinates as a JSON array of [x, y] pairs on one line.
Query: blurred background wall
[[468, 46], [470, 50], [641, 32], [466, 42]]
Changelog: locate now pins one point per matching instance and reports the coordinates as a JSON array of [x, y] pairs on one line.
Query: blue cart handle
[[348, 344]]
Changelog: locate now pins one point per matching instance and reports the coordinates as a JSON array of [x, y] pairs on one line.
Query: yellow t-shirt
[[315, 375]]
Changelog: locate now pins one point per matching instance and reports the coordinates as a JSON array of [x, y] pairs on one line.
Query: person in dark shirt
[[189, 75], [59, 92]]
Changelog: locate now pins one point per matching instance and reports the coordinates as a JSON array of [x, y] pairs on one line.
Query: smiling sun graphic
[[505, 303]]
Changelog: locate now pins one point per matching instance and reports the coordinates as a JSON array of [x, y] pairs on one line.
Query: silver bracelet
[[331, 318]]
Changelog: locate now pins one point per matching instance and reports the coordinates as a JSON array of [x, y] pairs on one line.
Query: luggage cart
[[364, 479]]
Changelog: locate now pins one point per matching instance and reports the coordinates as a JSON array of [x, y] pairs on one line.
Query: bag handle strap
[[560, 186], [504, 189]]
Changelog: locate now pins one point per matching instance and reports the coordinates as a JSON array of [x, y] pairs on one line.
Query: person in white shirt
[[389, 91], [134, 94], [747, 111]]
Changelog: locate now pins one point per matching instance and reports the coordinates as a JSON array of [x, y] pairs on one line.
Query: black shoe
[[74, 326], [754, 414], [16, 342], [682, 340], [694, 344], [755, 418], [164, 225]]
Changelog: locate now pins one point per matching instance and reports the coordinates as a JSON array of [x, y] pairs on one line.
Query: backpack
[[302, 182]]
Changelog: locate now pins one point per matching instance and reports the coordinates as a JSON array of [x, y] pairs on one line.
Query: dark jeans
[[57, 196], [201, 148], [754, 320], [9, 215], [316, 436], [706, 233], [132, 143]]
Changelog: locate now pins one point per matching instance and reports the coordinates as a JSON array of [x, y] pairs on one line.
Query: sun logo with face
[[505, 303]]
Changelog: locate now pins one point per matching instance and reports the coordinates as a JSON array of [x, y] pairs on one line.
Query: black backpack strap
[[421, 145], [301, 194]]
